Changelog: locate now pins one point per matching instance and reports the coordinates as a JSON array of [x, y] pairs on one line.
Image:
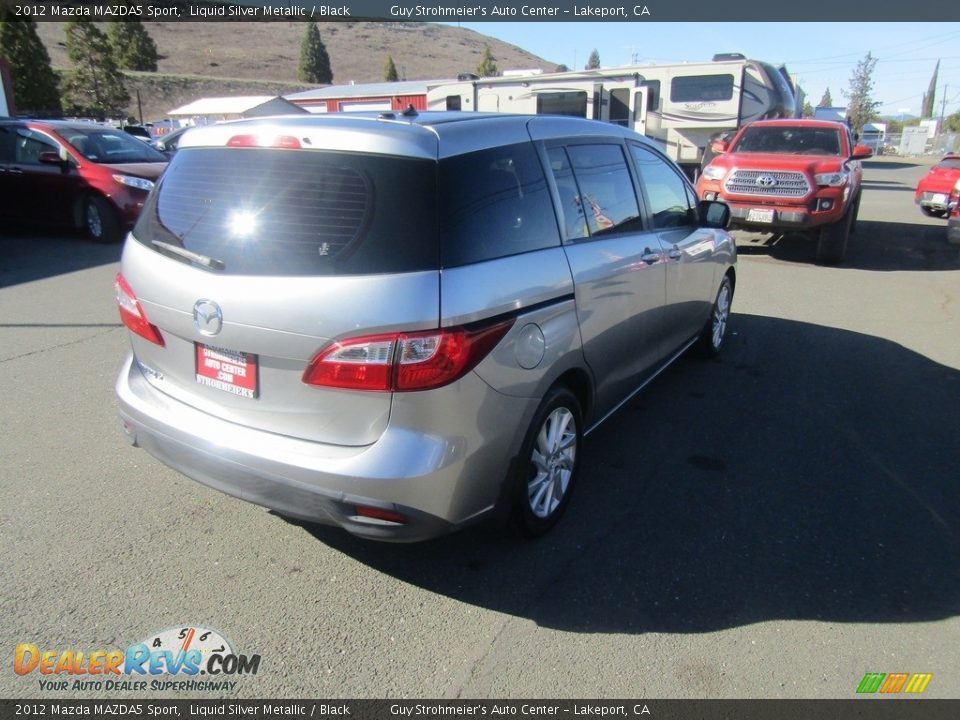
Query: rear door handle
[[675, 253], [650, 257]]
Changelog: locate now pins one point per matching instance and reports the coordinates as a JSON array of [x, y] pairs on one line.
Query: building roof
[[383, 89], [228, 105]]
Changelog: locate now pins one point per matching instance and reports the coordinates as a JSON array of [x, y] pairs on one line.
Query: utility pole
[[943, 108]]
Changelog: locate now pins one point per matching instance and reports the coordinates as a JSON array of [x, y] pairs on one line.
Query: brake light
[[287, 142], [132, 315], [404, 362]]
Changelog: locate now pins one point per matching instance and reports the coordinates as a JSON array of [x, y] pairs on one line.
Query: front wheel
[[832, 245], [550, 463], [100, 220], [932, 212], [714, 333]]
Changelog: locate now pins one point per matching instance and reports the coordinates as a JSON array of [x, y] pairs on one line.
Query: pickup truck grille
[[768, 183]]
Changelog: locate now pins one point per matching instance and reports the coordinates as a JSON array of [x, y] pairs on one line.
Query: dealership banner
[[492, 709], [492, 11]]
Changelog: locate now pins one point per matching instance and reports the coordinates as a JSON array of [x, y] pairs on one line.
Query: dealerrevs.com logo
[[894, 683], [185, 652]]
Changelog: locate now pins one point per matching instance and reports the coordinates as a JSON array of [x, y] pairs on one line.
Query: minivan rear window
[[266, 211]]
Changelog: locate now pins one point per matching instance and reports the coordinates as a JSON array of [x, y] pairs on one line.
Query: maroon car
[[80, 175]]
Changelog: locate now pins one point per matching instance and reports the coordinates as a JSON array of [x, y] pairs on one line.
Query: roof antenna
[[411, 111]]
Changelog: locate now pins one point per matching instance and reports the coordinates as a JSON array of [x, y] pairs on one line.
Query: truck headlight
[[711, 172], [831, 179]]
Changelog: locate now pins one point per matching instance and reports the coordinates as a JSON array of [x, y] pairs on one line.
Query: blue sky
[[822, 55]]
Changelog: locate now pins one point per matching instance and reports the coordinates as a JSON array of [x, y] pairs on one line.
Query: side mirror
[[714, 214], [861, 152], [53, 158], [719, 146]]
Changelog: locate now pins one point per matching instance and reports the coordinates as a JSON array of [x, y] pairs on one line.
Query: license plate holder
[[228, 370], [940, 198], [761, 215]]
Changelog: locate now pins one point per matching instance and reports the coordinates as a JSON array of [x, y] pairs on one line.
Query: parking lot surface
[[775, 523]]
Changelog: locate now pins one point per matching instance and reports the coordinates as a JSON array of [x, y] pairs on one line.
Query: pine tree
[[314, 60], [488, 65], [561, 68], [35, 90], [826, 100], [390, 70], [94, 86], [132, 46], [593, 62], [927, 110], [861, 107]]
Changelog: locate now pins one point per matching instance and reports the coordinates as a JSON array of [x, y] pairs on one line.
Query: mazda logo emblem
[[207, 317], [766, 181]]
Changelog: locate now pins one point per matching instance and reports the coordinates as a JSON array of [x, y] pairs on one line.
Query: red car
[[783, 175], [953, 220], [80, 175], [934, 188]]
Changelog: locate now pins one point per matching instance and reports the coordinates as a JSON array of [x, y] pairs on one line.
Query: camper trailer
[[682, 106]]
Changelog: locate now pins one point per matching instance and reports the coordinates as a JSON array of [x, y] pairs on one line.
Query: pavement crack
[[42, 351]]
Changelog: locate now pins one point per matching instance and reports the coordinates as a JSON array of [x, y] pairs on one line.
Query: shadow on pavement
[[26, 255], [879, 246], [809, 474]]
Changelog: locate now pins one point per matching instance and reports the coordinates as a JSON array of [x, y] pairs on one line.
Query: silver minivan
[[401, 324]]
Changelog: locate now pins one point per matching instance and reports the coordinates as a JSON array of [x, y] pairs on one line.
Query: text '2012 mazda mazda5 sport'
[[402, 324]]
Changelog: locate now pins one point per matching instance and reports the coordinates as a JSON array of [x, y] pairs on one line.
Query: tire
[[100, 221], [714, 334], [832, 244], [930, 212], [549, 463]]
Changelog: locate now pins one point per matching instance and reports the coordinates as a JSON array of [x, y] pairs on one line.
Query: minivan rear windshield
[[267, 211]]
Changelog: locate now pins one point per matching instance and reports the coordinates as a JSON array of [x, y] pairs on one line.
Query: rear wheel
[[550, 463], [931, 212], [100, 220]]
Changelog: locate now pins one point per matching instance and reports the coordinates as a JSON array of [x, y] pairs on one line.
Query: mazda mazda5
[[401, 324]]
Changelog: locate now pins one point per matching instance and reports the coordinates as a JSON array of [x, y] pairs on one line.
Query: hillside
[[201, 59]]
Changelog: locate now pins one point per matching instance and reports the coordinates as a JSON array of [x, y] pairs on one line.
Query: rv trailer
[[683, 106]]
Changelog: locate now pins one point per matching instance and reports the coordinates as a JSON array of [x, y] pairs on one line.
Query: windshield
[[789, 140], [105, 145]]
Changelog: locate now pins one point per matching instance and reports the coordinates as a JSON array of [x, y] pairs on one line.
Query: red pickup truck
[[790, 175]]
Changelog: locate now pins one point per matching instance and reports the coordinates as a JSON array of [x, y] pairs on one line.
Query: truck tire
[[832, 244]]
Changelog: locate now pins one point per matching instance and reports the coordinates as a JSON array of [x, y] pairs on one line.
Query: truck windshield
[[789, 140]]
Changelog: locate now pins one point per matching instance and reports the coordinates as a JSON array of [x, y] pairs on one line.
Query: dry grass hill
[[202, 59]]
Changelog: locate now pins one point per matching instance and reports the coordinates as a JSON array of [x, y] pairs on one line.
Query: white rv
[[682, 105]]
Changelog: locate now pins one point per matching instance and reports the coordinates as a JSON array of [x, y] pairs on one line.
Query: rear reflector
[[376, 513], [132, 315], [404, 362]]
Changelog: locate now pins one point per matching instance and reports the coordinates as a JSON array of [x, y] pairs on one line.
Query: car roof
[[799, 122], [428, 135]]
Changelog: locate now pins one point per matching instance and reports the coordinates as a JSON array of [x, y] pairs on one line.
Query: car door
[[618, 266], [46, 191], [689, 249], [10, 204]]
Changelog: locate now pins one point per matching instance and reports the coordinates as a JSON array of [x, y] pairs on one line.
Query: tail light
[[132, 313], [404, 362]]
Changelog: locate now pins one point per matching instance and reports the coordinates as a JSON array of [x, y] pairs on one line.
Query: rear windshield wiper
[[207, 262]]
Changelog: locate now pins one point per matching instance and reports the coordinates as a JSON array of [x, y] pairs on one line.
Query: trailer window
[[562, 103], [453, 102], [620, 106], [701, 88]]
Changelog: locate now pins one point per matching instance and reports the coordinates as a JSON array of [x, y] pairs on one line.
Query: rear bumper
[[437, 482]]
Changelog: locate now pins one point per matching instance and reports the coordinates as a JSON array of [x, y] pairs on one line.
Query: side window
[[606, 195], [574, 222], [494, 203], [671, 202], [29, 146], [701, 88]]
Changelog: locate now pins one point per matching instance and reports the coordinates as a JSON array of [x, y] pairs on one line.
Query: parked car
[[79, 175], [953, 220], [801, 175], [403, 324], [138, 131], [167, 144], [934, 188]]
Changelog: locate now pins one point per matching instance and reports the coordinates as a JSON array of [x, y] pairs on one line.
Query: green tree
[[561, 68], [390, 70], [826, 100], [314, 60], [593, 62], [35, 90], [132, 46], [488, 64], [94, 85], [952, 122], [807, 109], [861, 107]]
